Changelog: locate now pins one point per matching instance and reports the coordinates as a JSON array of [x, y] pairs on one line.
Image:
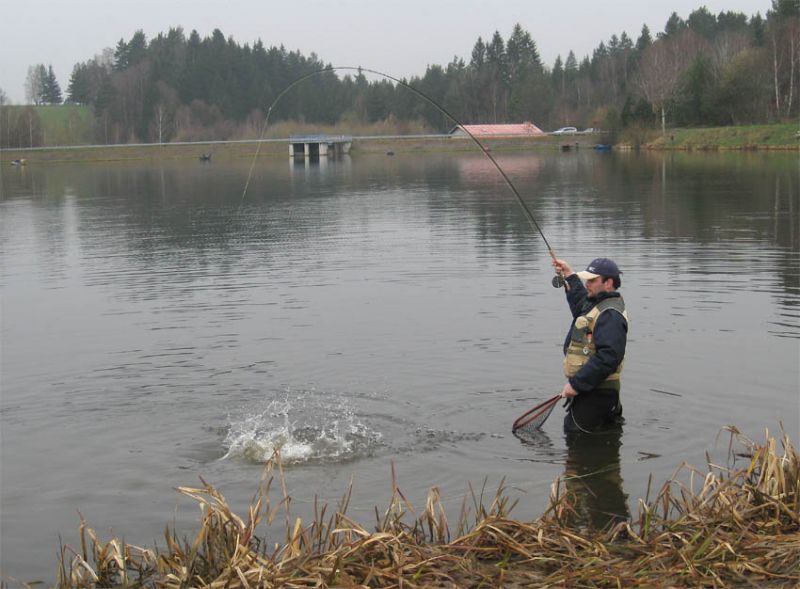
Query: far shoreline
[[777, 137]]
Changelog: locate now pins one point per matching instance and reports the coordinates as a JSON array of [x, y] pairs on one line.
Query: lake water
[[157, 326]]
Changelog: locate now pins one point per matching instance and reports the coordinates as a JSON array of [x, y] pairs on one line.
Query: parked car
[[565, 131], [587, 131]]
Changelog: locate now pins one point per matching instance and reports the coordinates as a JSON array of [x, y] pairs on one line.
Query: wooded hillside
[[706, 69]]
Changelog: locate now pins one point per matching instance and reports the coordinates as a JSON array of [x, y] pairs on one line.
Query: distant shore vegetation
[[704, 70]]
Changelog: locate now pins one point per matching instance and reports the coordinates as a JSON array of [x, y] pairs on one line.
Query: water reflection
[[593, 477], [592, 474]]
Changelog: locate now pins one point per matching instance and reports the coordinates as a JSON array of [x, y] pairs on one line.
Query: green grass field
[[61, 124], [777, 136], [66, 124]]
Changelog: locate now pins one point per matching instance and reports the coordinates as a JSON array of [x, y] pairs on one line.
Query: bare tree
[[660, 68], [726, 46], [5, 115], [784, 42], [793, 35], [165, 108], [775, 69], [30, 127], [34, 83], [105, 58], [129, 86]]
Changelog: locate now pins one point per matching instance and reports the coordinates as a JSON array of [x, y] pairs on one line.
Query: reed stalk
[[719, 528]]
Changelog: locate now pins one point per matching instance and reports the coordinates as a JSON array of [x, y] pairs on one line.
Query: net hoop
[[533, 419]]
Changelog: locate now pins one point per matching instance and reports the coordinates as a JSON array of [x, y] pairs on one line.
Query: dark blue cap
[[600, 267]]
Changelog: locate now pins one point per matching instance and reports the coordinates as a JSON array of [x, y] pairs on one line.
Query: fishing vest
[[581, 343]]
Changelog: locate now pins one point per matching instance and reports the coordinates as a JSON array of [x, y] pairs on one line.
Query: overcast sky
[[399, 37]]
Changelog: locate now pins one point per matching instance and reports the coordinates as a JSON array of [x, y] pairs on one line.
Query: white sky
[[398, 37]]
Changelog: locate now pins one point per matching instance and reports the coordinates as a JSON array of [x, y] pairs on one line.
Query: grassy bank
[[143, 152], [66, 123], [756, 137], [781, 136], [733, 527], [53, 125], [278, 148]]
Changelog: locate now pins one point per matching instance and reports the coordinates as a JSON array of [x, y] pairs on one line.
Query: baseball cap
[[599, 267]]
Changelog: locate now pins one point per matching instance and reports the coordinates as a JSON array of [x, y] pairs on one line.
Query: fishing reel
[[558, 281]]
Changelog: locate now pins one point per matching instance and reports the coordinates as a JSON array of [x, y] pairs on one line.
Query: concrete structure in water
[[319, 145]]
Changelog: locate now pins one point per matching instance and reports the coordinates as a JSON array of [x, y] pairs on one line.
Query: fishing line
[[558, 280]]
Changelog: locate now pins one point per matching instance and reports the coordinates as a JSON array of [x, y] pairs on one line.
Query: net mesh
[[533, 419]]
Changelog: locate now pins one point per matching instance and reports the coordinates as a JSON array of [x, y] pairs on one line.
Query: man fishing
[[595, 345]]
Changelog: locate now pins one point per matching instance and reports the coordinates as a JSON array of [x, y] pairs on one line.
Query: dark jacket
[[610, 336]]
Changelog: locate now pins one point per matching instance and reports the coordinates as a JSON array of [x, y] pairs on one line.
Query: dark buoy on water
[[389, 153], [205, 157]]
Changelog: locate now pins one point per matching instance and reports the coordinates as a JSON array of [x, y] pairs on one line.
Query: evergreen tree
[[106, 95], [478, 54], [571, 65], [784, 9], [693, 101], [731, 21], [757, 30], [136, 49], [644, 39], [121, 55], [600, 52], [702, 22], [497, 62], [613, 44], [434, 84], [557, 74], [131, 53], [522, 55], [78, 88], [51, 92], [86, 79], [675, 24], [496, 52], [191, 85]]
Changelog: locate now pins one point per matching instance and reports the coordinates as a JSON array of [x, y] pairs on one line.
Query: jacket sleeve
[[610, 338], [576, 294]]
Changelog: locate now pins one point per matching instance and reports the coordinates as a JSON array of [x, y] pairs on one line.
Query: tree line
[[707, 69]]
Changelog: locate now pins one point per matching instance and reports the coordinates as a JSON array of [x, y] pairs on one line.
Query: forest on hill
[[702, 70]]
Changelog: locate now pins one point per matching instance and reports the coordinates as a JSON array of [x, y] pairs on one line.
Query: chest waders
[[581, 343]]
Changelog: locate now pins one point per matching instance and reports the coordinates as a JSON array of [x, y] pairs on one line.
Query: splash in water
[[306, 427]]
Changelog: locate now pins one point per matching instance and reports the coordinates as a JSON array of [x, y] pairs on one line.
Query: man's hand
[[563, 268], [568, 391]]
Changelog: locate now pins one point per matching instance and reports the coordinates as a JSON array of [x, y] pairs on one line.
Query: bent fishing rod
[[558, 280]]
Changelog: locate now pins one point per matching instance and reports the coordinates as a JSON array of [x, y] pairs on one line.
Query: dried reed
[[739, 527]]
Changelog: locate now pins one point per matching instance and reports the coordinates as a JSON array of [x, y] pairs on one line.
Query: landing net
[[532, 420]]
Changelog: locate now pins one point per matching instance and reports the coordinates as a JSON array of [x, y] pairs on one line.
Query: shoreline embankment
[[273, 148], [777, 137]]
